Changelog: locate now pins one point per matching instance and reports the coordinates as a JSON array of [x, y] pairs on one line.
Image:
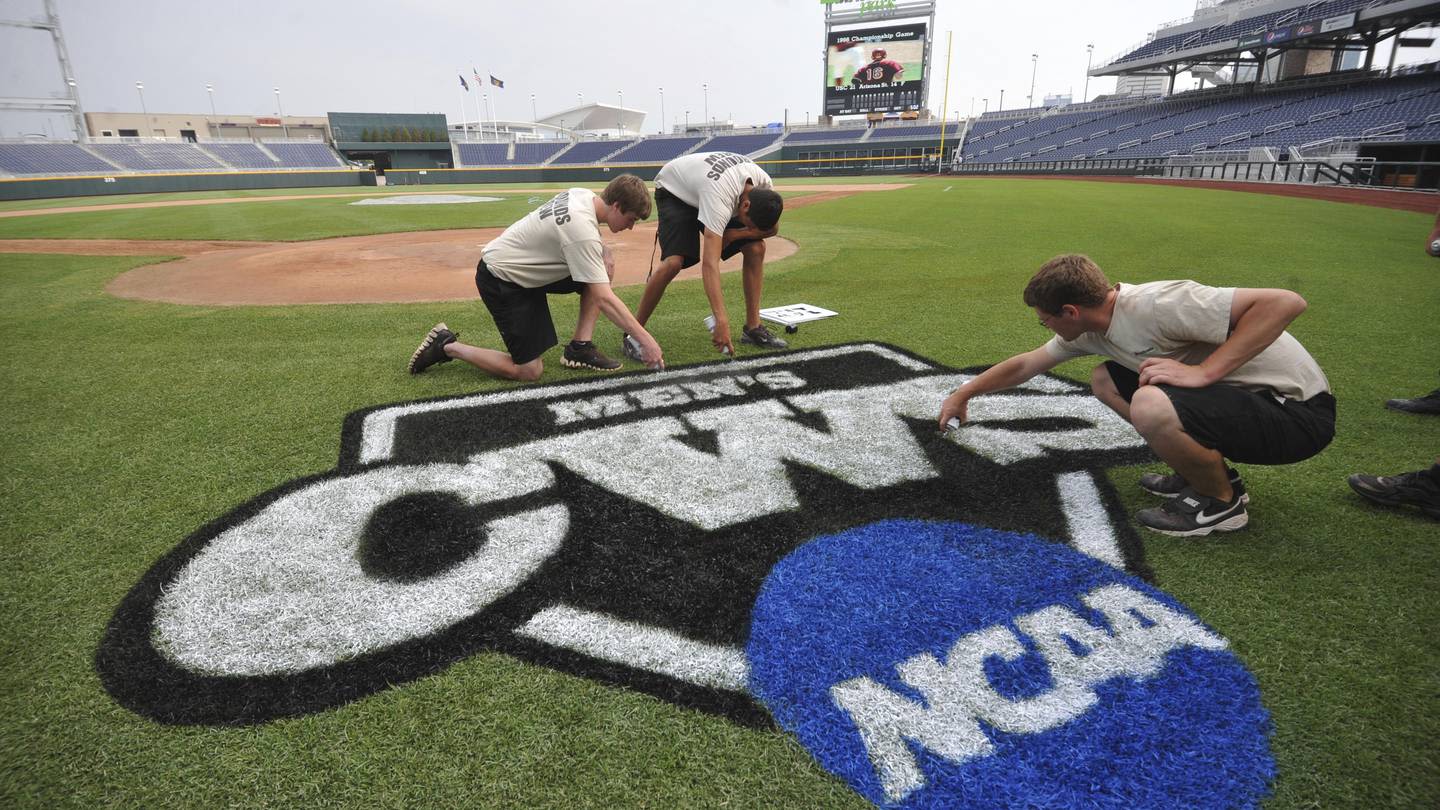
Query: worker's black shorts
[[1246, 426], [521, 313], [679, 231]]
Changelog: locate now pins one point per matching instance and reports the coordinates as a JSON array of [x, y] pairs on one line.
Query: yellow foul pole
[[945, 104]]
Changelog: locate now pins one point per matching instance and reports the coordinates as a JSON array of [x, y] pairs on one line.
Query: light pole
[[662, 111], [986, 109], [705, 88], [210, 88], [1002, 101], [687, 122], [534, 119], [281, 109], [1089, 54], [144, 113], [620, 113], [1034, 66], [75, 97]]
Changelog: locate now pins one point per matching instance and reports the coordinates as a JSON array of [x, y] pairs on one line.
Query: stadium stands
[[808, 136], [590, 151], [655, 150], [50, 159], [496, 154], [740, 144], [1226, 33], [304, 155], [241, 155], [1396, 108], [921, 132], [157, 157], [484, 154]]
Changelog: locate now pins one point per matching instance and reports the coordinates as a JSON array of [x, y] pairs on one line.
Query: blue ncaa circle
[[1187, 731]]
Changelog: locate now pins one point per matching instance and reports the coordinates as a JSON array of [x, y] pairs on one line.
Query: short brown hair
[[631, 193], [1068, 279]]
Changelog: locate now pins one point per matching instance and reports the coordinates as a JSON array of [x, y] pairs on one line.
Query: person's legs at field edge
[[496, 363], [753, 272], [1154, 418], [660, 278]]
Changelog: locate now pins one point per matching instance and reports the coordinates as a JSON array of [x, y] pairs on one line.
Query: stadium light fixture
[[140, 89], [620, 113], [662, 110], [705, 88], [1034, 66], [1089, 55], [987, 106], [281, 109], [534, 119], [210, 88], [1002, 100]]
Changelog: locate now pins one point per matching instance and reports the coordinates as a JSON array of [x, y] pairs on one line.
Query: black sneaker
[[1430, 403], [630, 347], [1190, 514], [1420, 488], [760, 336], [1168, 486], [432, 349], [585, 355]]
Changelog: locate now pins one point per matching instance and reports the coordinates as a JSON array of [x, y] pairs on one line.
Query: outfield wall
[[46, 187]]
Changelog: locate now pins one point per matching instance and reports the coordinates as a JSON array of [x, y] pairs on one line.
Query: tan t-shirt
[[712, 183], [558, 240], [1187, 321]]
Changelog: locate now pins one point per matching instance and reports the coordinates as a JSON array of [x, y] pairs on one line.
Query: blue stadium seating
[[740, 144], [847, 134], [1181, 125], [1223, 33], [932, 131], [532, 154], [304, 155], [590, 151], [157, 157], [50, 159], [241, 155], [655, 150], [484, 154]]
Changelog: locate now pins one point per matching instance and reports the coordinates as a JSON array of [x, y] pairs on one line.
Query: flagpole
[[944, 105], [463, 125]]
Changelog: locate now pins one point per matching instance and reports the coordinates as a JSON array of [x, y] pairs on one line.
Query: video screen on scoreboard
[[875, 69]]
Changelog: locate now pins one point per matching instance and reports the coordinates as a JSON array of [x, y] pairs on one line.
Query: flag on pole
[[476, 73], [464, 85], [497, 82]]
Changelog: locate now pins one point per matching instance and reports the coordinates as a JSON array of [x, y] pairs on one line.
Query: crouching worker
[[1205, 375], [555, 249]]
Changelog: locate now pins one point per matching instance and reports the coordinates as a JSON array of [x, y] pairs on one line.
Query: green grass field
[[132, 424]]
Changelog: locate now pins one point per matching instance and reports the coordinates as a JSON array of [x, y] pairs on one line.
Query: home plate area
[[785, 541]]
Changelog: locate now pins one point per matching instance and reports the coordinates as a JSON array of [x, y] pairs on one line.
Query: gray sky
[[758, 57]]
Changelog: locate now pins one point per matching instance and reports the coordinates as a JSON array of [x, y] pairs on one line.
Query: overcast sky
[[759, 57]]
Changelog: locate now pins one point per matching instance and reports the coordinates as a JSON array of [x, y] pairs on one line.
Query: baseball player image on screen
[[880, 70], [713, 205]]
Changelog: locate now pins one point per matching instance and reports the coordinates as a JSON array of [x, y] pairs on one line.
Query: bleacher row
[[108, 158], [659, 149], [1222, 33], [1406, 109]]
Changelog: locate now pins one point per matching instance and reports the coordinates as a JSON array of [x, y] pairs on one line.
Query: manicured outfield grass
[[132, 424]]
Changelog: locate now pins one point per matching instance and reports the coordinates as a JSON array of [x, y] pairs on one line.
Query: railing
[[1411, 176]]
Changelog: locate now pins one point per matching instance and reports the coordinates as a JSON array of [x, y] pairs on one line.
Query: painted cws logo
[[671, 533]]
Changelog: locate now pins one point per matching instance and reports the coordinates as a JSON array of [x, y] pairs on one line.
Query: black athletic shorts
[[522, 313], [1245, 426], [679, 231]]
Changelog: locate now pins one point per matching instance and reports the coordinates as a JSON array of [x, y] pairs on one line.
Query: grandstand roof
[[1277, 25], [597, 117]]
